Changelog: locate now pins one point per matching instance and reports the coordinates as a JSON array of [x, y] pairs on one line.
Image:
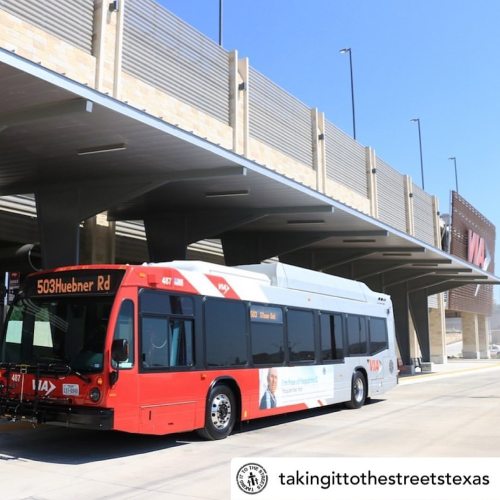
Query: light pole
[[347, 50], [221, 8], [456, 174], [417, 120]]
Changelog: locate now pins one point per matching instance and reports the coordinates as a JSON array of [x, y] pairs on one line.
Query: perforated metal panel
[[391, 196], [345, 160], [423, 215], [167, 53], [465, 217], [279, 119], [70, 20]]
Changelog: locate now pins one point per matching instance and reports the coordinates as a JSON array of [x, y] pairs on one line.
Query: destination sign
[[83, 282], [264, 314]]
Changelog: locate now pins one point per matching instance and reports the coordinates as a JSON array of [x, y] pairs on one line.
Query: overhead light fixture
[[109, 148], [223, 194], [305, 221], [396, 254], [358, 241]]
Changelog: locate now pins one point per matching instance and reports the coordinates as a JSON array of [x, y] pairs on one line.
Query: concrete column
[[98, 240], [483, 336], [108, 41], [371, 175], [243, 94], [235, 108], [437, 228], [319, 153], [470, 333], [414, 345], [415, 353], [400, 304], [117, 76], [410, 215], [437, 326]]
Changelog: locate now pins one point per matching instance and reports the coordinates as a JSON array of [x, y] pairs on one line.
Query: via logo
[[223, 288]]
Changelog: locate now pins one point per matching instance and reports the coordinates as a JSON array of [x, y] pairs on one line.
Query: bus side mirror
[[119, 350]]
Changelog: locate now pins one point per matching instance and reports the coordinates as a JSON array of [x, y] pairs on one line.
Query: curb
[[416, 379]]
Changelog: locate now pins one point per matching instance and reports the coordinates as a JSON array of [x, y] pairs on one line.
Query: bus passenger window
[[181, 342], [266, 330], [225, 332], [332, 343], [300, 335], [124, 329], [154, 342], [356, 335], [378, 335]]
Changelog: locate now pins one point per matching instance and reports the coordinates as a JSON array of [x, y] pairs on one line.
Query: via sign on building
[[476, 249]]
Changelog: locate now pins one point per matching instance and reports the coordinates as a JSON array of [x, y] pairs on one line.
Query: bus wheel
[[220, 414], [358, 391]]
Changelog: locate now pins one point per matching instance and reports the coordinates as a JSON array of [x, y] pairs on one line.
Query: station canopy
[[58, 134]]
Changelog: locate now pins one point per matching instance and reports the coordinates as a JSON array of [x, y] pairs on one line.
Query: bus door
[[169, 388], [123, 393]]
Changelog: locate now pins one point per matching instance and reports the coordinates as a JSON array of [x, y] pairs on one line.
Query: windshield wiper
[[67, 369]]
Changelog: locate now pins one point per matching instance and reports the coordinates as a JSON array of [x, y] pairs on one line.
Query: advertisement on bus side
[[286, 386]]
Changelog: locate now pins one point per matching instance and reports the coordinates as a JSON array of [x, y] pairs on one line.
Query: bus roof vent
[[296, 278]]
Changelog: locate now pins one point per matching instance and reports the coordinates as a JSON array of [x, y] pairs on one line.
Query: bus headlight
[[95, 394]]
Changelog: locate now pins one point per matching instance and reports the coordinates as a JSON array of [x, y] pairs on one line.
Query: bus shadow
[[286, 418], [74, 447]]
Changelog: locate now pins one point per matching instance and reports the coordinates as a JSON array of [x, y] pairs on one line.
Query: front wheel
[[220, 413], [358, 391]]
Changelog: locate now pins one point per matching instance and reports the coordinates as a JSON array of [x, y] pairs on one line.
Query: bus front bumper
[[81, 417]]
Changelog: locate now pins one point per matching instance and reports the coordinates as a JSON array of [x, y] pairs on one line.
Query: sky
[[436, 60]]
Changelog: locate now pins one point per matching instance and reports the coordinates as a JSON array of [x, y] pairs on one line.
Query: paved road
[[455, 415]]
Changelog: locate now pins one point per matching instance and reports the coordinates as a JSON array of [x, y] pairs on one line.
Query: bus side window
[[300, 335], [124, 329], [356, 335], [332, 347], [267, 335], [154, 331], [181, 342], [378, 335], [225, 332]]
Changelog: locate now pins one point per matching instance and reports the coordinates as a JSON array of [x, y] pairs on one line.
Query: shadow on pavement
[[70, 446], [50, 444]]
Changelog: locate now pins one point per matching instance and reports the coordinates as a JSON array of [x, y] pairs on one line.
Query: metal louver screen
[[432, 301], [72, 21], [345, 160], [391, 196], [423, 215], [279, 119], [167, 53]]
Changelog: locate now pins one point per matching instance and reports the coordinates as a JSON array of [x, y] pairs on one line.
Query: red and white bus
[[187, 345]]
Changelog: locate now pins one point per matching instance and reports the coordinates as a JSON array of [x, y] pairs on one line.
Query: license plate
[[71, 389]]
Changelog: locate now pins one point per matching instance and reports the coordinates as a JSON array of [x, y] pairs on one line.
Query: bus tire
[[359, 389], [220, 413]]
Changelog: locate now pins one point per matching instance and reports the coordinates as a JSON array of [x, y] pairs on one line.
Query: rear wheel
[[220, 413], [358, 391]]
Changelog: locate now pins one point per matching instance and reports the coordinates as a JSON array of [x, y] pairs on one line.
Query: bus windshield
[[65, 330]]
